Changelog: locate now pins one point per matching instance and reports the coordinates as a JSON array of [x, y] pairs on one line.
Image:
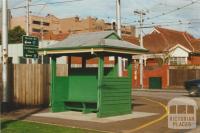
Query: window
[[178, 60], [45, 31], [36, 30], [36, 22], [46, 24]]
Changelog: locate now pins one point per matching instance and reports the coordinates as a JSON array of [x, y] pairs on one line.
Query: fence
[[30, 83], [178, 75]]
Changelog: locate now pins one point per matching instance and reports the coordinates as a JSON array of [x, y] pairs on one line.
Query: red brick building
[[166, 47]]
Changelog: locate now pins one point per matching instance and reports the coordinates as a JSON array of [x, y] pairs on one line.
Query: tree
[[15, 35]]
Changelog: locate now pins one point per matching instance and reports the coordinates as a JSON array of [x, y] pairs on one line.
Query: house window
[[178, 60]]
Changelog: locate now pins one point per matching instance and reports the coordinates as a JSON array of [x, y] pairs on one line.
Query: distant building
[[53, 25], [9, 19], [37, 24]]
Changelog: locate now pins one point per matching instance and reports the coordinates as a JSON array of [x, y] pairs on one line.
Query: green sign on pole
[[30, 46]]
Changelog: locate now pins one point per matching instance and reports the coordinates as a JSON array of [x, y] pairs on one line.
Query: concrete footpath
[[92, 117]]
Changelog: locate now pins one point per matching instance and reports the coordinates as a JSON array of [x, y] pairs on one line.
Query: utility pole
[[27, 16], [141, 14], [27, 22], [118, 14], [6, 98]]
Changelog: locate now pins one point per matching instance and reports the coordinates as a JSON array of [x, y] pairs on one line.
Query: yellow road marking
[[151, 122]]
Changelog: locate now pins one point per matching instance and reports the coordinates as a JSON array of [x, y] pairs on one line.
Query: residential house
[[166, 47]]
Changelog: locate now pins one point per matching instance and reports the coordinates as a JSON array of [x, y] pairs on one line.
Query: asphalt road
[[167, 96]]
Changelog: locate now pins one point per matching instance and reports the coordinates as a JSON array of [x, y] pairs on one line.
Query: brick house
[[166, 47]]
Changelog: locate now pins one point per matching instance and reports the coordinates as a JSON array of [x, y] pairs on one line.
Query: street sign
[[30, 46]]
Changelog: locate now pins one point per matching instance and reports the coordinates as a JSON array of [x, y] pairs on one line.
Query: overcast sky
[[105, 9]]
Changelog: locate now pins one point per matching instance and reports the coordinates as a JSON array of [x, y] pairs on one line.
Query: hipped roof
[[94, 40], [162, 40]]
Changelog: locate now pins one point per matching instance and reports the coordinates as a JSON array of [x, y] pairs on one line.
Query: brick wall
[[194, 60], [153, 70]]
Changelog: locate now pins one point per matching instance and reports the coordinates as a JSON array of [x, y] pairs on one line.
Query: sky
[[106, 9]]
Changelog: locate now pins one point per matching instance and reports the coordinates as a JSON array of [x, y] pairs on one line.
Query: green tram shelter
[[100, 89]]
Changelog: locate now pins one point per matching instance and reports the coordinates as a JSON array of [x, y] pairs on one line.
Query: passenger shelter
[[92, 89]]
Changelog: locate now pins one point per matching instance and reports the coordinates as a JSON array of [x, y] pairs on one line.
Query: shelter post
[[53, 76], [100, 78]]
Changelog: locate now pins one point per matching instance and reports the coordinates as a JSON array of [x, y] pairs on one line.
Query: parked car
[[193, 87]]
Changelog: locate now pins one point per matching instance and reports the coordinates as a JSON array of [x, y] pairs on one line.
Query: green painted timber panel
[[59, 94], [83, 85], [82, 88], [115, 96]]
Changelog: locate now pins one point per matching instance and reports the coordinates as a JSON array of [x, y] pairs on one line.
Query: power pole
[[141, 14], [27, 22], [27, 16], [6, 98], [118, 14]]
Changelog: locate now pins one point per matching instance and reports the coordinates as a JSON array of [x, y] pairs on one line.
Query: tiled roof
[[131, 39], [196, 44], [162, 39]]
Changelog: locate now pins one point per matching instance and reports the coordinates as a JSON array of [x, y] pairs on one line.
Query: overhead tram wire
[[174, 10], [172, 22], [48, 3], [160, 25], [18, 4], [167, 22]]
